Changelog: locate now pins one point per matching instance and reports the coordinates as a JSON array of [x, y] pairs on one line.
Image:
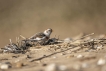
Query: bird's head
[[48, 32]]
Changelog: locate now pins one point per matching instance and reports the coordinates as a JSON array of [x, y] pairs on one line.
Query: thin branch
[[83, 37], [22, 37], [10, 41]]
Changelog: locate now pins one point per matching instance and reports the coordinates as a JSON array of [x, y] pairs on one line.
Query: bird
[[42, 37]]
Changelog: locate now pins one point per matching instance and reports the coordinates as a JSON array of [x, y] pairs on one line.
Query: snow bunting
[[42, 37]]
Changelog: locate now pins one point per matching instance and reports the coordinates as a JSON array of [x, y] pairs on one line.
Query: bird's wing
[[40, 35]]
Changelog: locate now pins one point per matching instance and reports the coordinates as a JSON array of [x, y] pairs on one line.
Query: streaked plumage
[[42, 36]]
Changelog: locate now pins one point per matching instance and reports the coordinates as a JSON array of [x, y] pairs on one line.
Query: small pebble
[[85, 65], [14, 56], [27, 57], [54, 57], [54, 67], [76, 67], [63, 54], [38, 62], [17, 61], [101, 61], [5, 66], [70, 56], [19, 64], [51, 67], [62, 68], [67, 40], [44, 64], [80, 56], [99, 47]]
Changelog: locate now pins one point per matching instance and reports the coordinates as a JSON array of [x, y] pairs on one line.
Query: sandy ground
[[27, 17], [63, 56]]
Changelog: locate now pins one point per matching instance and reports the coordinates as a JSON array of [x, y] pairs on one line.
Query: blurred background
[[67, 18]]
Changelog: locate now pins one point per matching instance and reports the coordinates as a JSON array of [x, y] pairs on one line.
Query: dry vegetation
[[82, 53]]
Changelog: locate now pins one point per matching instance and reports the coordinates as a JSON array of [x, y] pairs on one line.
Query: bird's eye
[[47, 31]]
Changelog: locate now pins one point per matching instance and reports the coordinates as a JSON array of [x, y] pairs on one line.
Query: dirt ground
[[58, 57], [27, 17]]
